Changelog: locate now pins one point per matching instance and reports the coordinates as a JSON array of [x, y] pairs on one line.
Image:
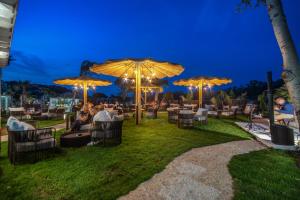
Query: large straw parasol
[[83, 82], [201, 81], [138, 69]]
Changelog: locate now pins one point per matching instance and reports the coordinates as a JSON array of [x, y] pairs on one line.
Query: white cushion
[[200, 111], [186, 112], [27, 126], [118, 118], [102, 115], [16, 109]]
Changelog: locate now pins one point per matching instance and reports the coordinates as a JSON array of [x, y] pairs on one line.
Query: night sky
[[207, 37]]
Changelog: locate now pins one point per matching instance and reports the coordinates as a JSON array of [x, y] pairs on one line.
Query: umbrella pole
[[85, 93], [138, 93], [145, 97], [200, 94]]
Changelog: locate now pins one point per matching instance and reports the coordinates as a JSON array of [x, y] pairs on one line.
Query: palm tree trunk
[[291, 65]]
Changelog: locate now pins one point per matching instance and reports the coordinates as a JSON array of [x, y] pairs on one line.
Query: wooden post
[[200, 93], [138, 93], [145, 97], [85, 88], [270, 99]]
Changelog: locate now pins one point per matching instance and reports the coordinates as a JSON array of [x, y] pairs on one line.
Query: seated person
[[284, 111], [83, 118]]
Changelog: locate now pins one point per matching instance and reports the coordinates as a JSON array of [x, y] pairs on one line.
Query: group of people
[[89, 113]]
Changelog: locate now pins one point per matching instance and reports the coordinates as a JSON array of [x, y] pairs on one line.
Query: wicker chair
[[172, 116], [107, 132], [186, 120], [201, 115], [30, 145]]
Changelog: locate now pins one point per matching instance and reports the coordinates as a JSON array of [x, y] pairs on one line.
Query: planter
[[282, 135]]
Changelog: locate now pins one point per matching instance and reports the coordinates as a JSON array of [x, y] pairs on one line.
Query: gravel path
[[200, 173]]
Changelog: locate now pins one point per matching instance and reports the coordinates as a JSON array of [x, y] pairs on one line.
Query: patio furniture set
[[28, 143], [184, 116], [36, 113]]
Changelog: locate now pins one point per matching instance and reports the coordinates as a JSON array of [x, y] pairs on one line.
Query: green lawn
[[108, 172], [50, 122], [266, 174]]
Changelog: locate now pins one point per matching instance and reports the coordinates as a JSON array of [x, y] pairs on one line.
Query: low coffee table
[[75, 139]]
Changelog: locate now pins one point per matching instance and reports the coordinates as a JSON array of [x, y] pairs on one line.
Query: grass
[[109, 172], [50, 122], [266, 174]]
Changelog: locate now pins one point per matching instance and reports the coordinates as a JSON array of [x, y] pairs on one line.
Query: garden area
[[109, 172]]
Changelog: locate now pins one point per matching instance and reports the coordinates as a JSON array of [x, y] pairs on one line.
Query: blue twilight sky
[[208, 37]]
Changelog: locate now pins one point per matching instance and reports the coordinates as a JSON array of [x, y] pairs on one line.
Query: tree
[[291, 64]]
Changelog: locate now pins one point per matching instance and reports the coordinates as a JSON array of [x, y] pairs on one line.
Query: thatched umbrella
[[83, 82], [138, 69], [200, 81]]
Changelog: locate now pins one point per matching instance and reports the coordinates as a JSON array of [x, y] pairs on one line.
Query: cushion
[[102, 115], [85, 127], [118, 118], [27, 127], [186, 112], [19, 109], [200, 111], [40, 145]]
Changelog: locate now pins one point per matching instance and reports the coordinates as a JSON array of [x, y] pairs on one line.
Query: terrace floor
[[109, 172]]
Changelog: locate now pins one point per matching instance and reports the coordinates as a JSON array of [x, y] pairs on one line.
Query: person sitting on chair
[[83, 118], [284, 111]]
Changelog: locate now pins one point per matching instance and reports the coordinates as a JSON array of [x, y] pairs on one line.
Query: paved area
[[201, 173], [57, 127]]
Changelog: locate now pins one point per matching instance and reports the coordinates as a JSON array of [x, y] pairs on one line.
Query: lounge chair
[[201, 115], [30, 145], [186, 119], [107, 132]]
